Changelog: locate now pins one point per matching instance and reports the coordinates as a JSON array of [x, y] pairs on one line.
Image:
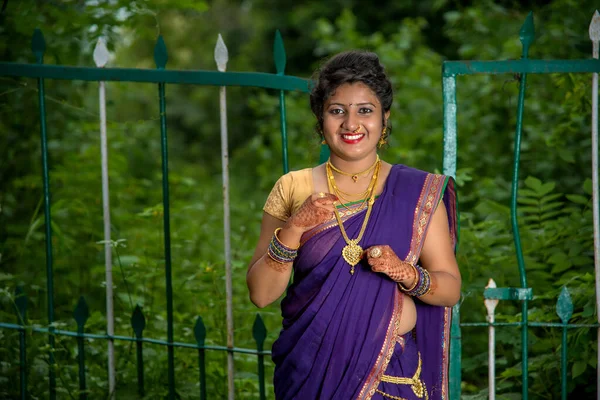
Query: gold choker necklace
[[356, 175], [352, 252]]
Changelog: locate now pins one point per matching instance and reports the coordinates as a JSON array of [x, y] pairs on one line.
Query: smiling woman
[[371, 246]]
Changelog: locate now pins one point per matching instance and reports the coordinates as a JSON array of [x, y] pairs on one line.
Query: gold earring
[[323, 142], [382, 140]]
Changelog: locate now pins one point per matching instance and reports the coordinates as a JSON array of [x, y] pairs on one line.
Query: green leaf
[[587, 186], [547, 188], [579, 368], [578, 199], [533, 183]]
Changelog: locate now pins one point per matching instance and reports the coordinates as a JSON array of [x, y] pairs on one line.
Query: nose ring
[[357, 129]]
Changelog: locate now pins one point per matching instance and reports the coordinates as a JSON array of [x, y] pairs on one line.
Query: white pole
[[490, 305], [595, 38], [101, 58], [221, 58]]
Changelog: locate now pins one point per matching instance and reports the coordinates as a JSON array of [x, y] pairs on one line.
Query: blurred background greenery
[[412, 37]]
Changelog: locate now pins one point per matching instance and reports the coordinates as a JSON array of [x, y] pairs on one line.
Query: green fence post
[[455, 377], [38, 45], [564, 309], [81, 315], [200, 335], [21, 310], [138, 323], [259, 332], [526, 35], [280, 61], [160, 58]]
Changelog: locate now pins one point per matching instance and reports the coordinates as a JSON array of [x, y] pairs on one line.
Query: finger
[[324, 198]]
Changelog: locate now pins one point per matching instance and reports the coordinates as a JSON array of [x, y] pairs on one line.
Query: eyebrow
[[352, 104]]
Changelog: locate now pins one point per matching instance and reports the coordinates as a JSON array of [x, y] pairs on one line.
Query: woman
[[372, 249]]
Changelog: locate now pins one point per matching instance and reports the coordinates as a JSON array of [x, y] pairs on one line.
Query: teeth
[[352, 137]]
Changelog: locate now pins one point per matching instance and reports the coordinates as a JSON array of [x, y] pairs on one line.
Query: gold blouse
[[289, 192]]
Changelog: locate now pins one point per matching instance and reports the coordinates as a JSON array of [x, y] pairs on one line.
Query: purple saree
[[340, 337]]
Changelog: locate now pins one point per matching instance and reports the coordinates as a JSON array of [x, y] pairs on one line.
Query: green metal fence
[[283, 84], [450, 71]]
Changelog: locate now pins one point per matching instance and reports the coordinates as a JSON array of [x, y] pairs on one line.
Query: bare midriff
[[408, 319]]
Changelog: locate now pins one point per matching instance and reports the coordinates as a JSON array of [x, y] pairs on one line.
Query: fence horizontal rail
[[60, 332], [531, 324], [524, 66], [204, 78]]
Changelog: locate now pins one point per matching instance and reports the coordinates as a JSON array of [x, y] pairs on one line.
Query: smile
[[352, 137]]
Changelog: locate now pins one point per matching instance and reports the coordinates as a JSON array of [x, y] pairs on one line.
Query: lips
[[352, 138]]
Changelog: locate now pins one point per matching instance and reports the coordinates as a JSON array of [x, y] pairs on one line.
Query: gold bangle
[[404, 289], [279, 240]]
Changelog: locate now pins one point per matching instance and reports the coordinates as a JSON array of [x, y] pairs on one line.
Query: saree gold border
[[429, 197], [387, 350], [344, 215]]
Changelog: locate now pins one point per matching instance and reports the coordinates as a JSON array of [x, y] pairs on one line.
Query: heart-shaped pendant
[[352, 253]]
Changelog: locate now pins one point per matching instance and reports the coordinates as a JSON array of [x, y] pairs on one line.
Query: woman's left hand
[[383, 259]]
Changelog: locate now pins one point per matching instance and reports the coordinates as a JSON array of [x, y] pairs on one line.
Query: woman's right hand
[[316, 209]]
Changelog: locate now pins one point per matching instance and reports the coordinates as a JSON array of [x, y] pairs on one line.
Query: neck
[[353, 166]]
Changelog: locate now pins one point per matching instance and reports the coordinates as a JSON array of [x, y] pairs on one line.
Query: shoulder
[[404, 173]]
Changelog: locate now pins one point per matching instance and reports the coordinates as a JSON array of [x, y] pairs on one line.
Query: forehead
[[352, 93]]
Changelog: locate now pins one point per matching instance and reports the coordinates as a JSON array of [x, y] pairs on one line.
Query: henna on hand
[[316, 209], [388, 263]]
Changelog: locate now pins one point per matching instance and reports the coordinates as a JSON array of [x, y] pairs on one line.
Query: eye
[[365, 110], [336, 111]]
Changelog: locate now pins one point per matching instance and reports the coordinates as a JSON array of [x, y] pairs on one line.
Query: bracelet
[[279, 252], [422, 283]]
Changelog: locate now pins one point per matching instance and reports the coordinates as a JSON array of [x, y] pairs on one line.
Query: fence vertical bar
[[455, 354], [259, 332], [39, 47], [200, 335], [490, 305], [21, 309], [280, 61], [138, 323], [101, 58], [160, 58], [221, 58], [450, 128], [564, 310], [449, 168], [526, 36], [594, 32], [81, 315]]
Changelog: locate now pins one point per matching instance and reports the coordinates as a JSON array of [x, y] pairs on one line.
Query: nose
[[351, 122]]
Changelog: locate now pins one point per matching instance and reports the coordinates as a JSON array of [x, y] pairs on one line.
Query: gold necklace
[[342, 195], [352, 252], [355, 175]]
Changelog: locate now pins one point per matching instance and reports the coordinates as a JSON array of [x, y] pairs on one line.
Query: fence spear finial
[[221, 54], [160, 53], [279, 53], [527, 34], [101, 53], [38, 45], [595, 27]]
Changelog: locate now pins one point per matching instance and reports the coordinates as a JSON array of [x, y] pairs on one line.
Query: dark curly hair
[[350, 67]]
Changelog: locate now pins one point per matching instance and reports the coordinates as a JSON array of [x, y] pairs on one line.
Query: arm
[[437, 257], [267, 279]]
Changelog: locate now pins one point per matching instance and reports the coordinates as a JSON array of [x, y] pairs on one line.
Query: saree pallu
[[340, 333]]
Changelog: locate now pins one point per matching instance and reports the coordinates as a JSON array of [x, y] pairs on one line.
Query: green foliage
[[412, 38]]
